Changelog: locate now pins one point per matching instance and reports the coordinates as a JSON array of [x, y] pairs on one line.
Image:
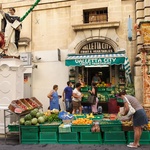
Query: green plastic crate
[[145, 137], [100, 89], [48, 137], [29, 141], [90, 138], [13, 128], [48, 128], [89, 87], [29, 134], [98, 118], [114, 137], [79, 116], [64, 129], [109, 89], [29, 137], [30, 128], [68, 138], [112, 125], [120, 100], [84, 89], [81, 128], [84, 99]]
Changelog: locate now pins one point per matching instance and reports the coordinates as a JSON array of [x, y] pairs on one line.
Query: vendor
[[96, 79]]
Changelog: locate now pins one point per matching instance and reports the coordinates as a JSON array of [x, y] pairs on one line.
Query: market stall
[[113, 68], [54, 126]]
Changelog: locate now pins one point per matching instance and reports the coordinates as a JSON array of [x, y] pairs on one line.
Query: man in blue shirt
[[67, 96]]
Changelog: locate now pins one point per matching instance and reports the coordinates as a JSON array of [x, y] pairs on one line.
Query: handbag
[[91, 99], [131, 109]]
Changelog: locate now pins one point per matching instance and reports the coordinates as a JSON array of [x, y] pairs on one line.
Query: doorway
[[103, 73]]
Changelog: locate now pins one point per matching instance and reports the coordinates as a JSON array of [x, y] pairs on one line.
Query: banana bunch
[[89, 115]]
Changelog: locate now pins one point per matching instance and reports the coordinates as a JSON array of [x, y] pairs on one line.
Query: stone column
[[11, 84], [146, 10]]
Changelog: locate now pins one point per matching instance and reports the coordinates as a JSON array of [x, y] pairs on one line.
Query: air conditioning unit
[[26, 58]]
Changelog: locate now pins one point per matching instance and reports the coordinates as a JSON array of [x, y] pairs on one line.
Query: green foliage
[[128, 88], [53, 117]]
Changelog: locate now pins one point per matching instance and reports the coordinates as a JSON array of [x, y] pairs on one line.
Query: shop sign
[[95, 61], [96, 47]]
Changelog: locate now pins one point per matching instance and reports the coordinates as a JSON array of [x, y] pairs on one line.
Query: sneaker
[[132, 146]]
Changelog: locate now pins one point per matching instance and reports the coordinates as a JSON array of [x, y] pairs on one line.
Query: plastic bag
[[65, 116]]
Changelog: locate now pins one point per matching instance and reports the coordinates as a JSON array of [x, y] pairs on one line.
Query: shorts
[[76, 105], [140, 118]]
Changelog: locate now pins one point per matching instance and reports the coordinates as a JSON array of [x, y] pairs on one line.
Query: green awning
[[95, 59], [100, 59]]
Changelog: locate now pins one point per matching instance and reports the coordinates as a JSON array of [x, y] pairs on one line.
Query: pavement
[[13, 144]]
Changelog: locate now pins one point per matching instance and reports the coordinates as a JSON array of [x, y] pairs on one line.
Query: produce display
[[102, 97], [148, 126], [127, 123], [36, 117], [82, 121], [89, 115], [23, 105]]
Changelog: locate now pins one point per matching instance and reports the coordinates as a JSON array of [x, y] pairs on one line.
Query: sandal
[[132, 146]]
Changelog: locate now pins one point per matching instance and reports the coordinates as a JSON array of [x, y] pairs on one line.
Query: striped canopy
[[98, 60]]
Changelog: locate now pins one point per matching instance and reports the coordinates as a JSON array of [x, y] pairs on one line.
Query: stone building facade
[[61, 24]]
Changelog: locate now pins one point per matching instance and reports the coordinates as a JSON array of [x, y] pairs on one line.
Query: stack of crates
[[48, 134], [29, 134], [85, 134], [85, 92], [145, 137], [69, 138], [112, 132], [13, 128], [66, 136]]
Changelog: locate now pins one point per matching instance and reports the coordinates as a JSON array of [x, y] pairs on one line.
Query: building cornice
[[95, 25]]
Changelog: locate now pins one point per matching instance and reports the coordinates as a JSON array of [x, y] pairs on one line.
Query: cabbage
[[39, 114], [41, 119], [34, 121], [22, 121]]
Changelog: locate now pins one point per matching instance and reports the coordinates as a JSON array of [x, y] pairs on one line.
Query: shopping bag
[[91, 99], [131, 109]]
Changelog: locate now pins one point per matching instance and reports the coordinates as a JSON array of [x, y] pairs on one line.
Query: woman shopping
[[139, 117], [77, 97], [94, 92], [54, 98]]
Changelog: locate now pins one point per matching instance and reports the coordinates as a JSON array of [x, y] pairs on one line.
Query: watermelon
[[27, 123], [33, 113], [28, 117], [36, 110], [18, 110]]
